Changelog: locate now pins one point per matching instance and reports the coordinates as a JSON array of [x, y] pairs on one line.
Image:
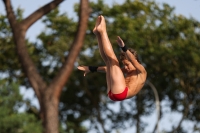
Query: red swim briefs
[[118, 97]]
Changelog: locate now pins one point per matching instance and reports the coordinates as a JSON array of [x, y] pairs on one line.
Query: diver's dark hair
[[124, 57]]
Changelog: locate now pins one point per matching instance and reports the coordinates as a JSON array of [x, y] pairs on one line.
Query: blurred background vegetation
[[168, 46]]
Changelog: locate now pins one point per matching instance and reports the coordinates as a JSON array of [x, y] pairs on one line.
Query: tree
[[47, 94], [165, 42], [11, 120]]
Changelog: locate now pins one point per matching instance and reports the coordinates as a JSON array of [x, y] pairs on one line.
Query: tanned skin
[[132, 75]]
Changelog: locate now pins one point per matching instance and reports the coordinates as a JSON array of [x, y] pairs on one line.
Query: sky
[[187, 8]]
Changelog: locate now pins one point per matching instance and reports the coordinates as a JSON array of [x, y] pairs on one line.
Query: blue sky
[[187, 8]]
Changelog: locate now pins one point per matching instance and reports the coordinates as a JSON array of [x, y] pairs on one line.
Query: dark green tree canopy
[[12, 121], [168, 46]]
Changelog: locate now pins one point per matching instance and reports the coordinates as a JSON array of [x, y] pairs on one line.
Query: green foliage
[[7, 48], [54, 43], [11, 120], [10, 67], [168, 46]]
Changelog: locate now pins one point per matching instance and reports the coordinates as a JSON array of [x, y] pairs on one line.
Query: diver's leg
[[115, 75]]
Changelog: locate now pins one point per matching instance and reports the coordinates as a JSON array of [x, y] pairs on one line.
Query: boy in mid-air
[[122, 83]]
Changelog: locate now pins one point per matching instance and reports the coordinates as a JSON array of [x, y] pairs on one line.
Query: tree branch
[[64, 73], [10, 14], [157, 102], [39, 13], [100, 119], [185, 113], [24, 58], [19, 32]]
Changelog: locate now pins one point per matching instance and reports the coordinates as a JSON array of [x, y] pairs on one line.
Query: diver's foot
[[100, 25]]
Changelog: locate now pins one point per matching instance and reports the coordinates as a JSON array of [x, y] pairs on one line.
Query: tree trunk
[[48, 96], [50, 111], [138, 114]]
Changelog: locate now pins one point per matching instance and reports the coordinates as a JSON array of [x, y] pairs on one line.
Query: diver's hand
[[84, 68], [120, 42]]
